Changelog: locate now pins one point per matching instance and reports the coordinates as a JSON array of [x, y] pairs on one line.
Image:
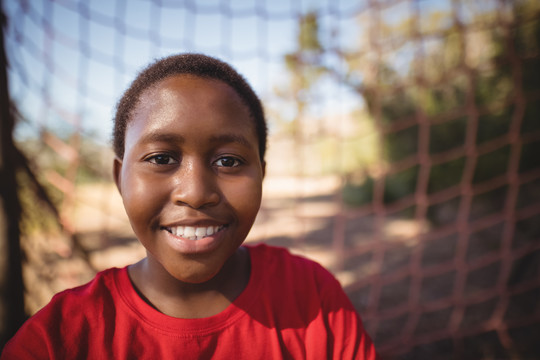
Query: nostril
[[196, 192]]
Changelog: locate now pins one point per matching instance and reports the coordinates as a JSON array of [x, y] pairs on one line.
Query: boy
[[190, 138]]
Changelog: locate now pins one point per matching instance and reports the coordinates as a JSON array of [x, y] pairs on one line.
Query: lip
[[195, 222], [190, 247]]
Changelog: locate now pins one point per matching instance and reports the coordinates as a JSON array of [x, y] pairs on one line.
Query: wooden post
[[12, 313]]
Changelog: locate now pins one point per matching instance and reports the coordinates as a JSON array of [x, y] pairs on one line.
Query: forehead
[[187, 100], [191, 87], [182, 91]]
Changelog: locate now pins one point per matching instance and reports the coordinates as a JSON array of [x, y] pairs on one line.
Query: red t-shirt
[[292, 308]]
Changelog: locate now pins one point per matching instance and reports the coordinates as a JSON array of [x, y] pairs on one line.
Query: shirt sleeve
[[30, 342], [347, 336]]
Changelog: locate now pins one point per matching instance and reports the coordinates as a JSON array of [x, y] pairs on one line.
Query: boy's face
[[191, 176]]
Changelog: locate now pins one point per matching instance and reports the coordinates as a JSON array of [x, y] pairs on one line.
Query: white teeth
[[178, 231], [189, 231], [200, 231], [194, 233]]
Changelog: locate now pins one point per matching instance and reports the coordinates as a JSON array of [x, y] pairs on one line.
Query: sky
[[70, 60]]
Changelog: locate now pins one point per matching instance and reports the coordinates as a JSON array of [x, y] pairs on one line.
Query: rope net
[[403, 150]]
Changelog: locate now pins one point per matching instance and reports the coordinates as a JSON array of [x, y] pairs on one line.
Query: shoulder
[[66, 315], [280, 265], [96, 292], [272, 255], [279, 256], [302, 294]]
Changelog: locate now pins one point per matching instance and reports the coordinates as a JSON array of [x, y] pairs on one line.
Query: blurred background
[[404, 152]]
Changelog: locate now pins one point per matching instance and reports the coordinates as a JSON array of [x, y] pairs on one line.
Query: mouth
[[194, 233]]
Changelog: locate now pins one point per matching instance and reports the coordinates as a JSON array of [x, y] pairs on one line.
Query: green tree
[[484, 67]]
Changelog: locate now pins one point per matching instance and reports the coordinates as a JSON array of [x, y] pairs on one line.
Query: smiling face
[[191, 175]]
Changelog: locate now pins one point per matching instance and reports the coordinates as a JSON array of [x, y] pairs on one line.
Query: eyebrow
[[162, 137], [175, 138], [231, 138]]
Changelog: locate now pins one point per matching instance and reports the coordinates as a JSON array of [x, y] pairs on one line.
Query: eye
[[228, 161], [161, 159]]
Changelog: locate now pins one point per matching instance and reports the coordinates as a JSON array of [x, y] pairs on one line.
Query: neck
[[187, 300]]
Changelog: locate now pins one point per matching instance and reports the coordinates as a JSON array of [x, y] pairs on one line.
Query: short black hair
[[186, 64]]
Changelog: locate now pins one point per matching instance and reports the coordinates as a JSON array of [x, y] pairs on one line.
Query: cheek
[[141, 198], [245, 197]]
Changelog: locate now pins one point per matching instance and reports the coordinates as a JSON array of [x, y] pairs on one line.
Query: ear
[[117, 170]]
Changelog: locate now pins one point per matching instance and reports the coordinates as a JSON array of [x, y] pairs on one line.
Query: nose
[[195, 185]]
